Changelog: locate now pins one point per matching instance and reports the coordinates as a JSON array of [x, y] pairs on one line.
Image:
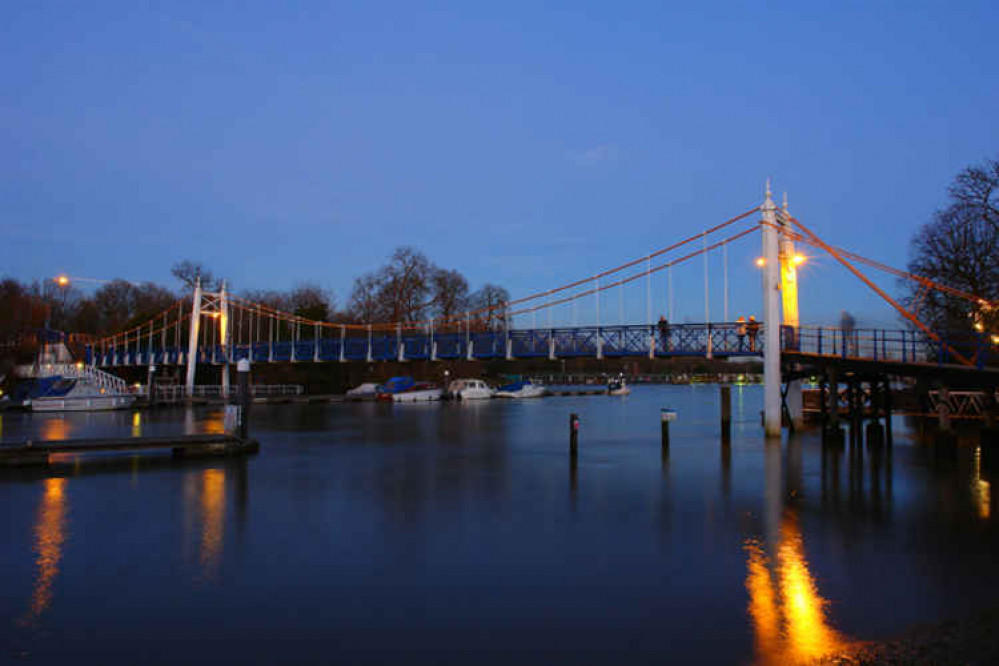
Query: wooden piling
[[726, 412], [573, 435]]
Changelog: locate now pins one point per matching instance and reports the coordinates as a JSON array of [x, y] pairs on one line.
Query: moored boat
[[469, 389], [419, 392], [385, 392], [366, 391], [618, 386], [523, 389]]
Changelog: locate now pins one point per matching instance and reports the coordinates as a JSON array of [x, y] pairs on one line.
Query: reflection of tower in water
[[788, 613], [204, 498], [212, 505], [786, 609], [50, 534]]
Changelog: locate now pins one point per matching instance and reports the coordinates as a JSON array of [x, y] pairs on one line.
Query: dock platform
[[37, 453]]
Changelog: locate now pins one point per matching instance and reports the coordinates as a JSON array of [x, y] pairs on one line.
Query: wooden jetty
[[37, 453]]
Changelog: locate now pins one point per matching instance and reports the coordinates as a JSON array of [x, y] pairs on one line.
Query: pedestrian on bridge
[[753, 329], [846, 326], [664, 333], [740, 330]]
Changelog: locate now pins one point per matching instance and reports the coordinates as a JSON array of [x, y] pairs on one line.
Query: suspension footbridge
[[219, 328]]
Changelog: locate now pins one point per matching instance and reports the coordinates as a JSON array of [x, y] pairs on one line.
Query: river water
[[461, 533]]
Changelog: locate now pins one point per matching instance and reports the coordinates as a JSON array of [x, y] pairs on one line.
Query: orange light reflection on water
[[50, 534], [55, 428], [212, 505], [788, 613]]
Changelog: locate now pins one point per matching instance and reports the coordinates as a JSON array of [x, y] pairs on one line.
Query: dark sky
[[527, 144]]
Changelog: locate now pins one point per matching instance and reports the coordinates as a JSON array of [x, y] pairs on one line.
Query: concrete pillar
[[771, 316], [192, 344], [600, 344], [343, 344]]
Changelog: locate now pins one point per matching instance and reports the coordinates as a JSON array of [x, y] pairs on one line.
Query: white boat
[[524, 389], [469, 389], [80, 395], [419, 392], [61, 385], [618, 387], [365, 391]]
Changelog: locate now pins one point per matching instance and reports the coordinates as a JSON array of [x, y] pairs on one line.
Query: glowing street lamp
[[761, 262]]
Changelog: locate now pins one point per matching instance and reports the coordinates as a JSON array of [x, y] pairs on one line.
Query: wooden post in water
[[665, 416], [726, 412], [888, 410], [573, 435], [245, 400]]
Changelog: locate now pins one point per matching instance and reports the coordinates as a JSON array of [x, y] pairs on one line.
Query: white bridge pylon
[[216, 305]]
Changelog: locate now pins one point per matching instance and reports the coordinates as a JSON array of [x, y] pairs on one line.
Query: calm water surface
[[367, 533]]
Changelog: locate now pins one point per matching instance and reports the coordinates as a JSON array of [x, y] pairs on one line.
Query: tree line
[[959, 247], [408, 287]]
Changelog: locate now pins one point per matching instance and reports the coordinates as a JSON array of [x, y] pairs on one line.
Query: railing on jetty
[[179, 393], [896, 346]]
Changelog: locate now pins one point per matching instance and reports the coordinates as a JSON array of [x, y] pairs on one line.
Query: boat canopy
[[396, 384]]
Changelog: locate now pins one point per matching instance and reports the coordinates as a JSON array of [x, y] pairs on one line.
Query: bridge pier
[[771, 331]]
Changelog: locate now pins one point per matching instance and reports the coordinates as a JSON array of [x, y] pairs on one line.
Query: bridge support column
[[343, 344], [600, 344], [399, 345], [192, 343], [771, 331], [509, 347], [224, 339], [789, 303], [551, 345], [369, 357]]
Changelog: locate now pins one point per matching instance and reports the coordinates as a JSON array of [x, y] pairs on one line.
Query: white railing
[[101, 379], [178, 393]]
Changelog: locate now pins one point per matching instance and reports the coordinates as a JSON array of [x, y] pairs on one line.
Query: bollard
[[573, 434], [243, 373], [151, 385], [726, 412], [665, 416]]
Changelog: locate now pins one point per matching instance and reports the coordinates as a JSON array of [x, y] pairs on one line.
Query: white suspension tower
[[215, 305], [771, 319]]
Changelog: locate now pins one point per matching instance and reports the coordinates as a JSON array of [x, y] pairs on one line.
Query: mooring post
[[888, 410], [726, 412], [151, 385], [245, 400], [665, 416], [573, 434]]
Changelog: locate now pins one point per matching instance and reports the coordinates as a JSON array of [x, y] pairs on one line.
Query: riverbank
[[973, 640]]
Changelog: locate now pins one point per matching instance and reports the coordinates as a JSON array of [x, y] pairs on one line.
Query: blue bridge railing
[[721, 340]]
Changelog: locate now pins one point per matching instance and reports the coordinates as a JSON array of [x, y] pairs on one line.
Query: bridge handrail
[[879, 344]]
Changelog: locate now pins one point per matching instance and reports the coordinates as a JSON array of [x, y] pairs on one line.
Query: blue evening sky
[[526, 144]]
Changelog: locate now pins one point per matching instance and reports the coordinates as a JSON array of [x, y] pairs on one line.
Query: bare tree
[[959, 247], [311, 301], [450, 293], [188, 272], [493, 299], [364, 306]]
